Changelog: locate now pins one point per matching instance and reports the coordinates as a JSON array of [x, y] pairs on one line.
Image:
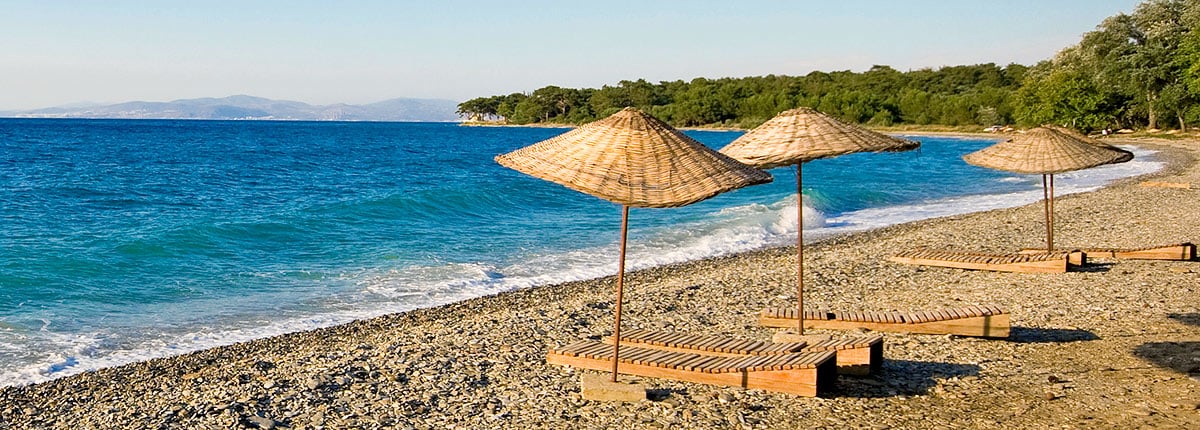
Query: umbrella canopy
[[1047, 150], [803, 134], [800, 135], [1088, 140], [633, 159]]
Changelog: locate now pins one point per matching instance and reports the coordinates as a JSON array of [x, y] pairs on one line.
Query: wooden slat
[[594, 349], [657, 357], [930, 316], [679, 339], [979, 320], [792, 360], [707, 365], [694, 363], [658, 337], [778, 362], [745, 347], [710, 343], [720, 366], [723, 345], [737, 346], [752, 363], [636, 355]]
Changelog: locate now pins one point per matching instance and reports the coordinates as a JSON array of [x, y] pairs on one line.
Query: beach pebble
[[261, 422]]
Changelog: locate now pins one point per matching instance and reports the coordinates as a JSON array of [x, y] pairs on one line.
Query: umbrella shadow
[[1091, 267], [903, 378], [1049, 335], [1182, 357], [1188, 318]]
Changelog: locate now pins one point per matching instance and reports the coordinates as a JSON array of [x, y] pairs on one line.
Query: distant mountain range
[[256, 108]]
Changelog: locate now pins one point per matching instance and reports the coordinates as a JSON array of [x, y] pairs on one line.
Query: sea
[[126, 240]]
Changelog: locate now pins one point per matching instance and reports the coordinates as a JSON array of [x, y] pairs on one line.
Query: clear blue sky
[[61, 52]]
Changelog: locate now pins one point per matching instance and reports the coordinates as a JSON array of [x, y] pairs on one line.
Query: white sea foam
[[731, 230]]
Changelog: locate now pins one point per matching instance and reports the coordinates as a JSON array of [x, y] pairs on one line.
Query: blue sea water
[[126, 240]]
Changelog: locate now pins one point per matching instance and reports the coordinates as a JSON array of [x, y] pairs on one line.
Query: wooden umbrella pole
[[1046, 211], [1051, 228], [799, 250], [620, 290]]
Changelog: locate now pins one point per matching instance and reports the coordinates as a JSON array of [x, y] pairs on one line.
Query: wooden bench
[[1185, 251], [975, 321], [804, 373], [1055, 262], [855, 356]]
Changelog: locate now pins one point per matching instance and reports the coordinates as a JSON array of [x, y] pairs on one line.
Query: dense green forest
[[1138, 70]]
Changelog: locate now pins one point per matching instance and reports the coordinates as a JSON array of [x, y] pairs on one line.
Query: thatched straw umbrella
[[1046, 151], [799, 135], [633, 159]]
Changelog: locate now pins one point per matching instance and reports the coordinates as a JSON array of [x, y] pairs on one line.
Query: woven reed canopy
[[633, 159], [803, 134], [1045, 150], [1088, 140]]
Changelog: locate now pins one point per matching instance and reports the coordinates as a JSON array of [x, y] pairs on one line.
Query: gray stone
[[261, 422]]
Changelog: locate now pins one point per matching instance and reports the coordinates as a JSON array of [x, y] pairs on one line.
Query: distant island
[[243, 107]]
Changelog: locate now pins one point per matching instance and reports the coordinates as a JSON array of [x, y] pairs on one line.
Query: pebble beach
[[1115, 345]]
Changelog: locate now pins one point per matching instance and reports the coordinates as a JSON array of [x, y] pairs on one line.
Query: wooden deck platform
[[805, 373], [855, 356], [1055, 262], [975, 321], [1185, 251]]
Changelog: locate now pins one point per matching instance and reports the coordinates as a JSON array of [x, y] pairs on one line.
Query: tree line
[[1134, 70]]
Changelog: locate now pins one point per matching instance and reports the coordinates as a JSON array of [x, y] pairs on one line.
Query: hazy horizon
[[82, 104], [371, 51]]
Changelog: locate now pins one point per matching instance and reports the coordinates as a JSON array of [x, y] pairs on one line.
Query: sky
[[57, 53]]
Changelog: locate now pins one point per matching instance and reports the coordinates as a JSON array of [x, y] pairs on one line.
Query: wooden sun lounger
[[804, 373], [975, 321], [1180, 185], [1055, 262], [1175, 252], [855, 356]]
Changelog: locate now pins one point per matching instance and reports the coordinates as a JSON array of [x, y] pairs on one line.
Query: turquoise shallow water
[[127, 240]]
